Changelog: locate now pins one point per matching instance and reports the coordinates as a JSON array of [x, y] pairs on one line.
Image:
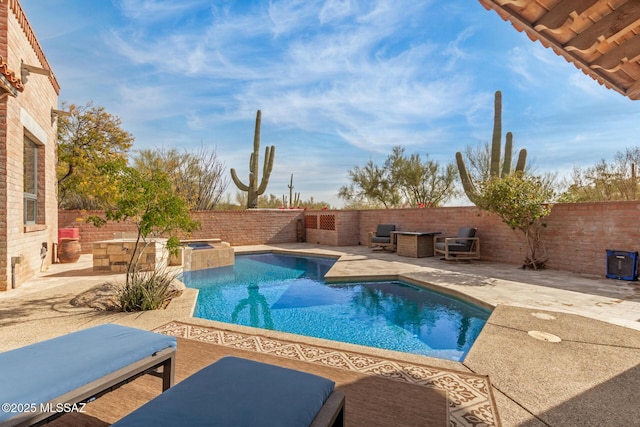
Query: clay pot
[[69, 250]]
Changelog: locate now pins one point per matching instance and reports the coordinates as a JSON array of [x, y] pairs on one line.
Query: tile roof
[[600, 37], [10, 78], [21, 17]]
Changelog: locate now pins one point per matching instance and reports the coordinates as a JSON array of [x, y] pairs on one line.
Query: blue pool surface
[[288, 293]]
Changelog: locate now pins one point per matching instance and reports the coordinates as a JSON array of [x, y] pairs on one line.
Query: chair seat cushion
[[453, 247], [43, 371], [237, 392], [376, 239]]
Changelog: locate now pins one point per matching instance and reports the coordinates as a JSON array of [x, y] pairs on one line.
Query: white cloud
[[288, 16], [338, 81], [158, 10], [334, 10]]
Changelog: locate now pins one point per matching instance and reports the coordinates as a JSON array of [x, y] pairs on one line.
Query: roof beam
[[609, 28], [563, 12], [633, 92], [519, 22], [614, 59]]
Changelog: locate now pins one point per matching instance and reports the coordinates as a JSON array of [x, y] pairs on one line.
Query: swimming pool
[[287, 293]]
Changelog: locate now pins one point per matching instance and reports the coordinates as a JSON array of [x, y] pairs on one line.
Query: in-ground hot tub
[[203, 254]]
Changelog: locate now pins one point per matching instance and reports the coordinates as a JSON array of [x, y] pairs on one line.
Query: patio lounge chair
[[463, 246], [76, 367], [383, 237], [240, 392]]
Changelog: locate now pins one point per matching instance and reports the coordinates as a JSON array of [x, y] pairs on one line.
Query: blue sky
[[339, 82]]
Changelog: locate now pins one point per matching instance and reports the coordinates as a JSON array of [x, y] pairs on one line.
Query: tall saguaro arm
[[469, 186], [253, 189]]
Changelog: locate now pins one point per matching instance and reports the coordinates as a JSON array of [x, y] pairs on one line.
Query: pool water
[[287, 293]]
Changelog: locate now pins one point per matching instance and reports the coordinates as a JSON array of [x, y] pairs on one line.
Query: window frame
[[30, 171]]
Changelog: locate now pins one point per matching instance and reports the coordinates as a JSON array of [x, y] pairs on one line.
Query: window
[[30, 183]]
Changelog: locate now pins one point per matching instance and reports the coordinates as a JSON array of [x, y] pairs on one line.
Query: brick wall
[[236, 227], [576, 237], [28, 113]]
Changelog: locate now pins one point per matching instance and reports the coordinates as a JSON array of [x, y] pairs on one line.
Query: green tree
[[606, 181], [422, 183], [198, 177], [521, 201], [148, 200], [401, 180], [91, 145], [371, 184]]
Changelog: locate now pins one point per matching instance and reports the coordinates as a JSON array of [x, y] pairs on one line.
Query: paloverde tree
[[198, 177], [606, 181], [401, 180], [371, 186], [148, 200], [422, 182], [91, 145]]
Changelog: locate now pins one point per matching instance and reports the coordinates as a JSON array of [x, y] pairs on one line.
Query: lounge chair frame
[[160, 364], [332, 412]]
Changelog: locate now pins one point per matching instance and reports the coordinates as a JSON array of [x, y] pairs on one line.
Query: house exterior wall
[[28, 113], [576, 237]]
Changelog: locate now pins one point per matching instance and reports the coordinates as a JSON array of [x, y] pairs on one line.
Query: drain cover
[[544, 316], [544, 336]]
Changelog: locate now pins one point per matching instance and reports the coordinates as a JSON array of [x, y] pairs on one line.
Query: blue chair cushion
[[237, 392], [43, 371]]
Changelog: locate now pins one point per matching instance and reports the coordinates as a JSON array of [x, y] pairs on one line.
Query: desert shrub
[[146, 290]]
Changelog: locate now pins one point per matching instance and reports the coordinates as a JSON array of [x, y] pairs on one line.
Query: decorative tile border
[[469, 395]]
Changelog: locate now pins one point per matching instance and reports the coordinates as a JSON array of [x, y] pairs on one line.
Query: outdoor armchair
[[463, 246], [383, 237]]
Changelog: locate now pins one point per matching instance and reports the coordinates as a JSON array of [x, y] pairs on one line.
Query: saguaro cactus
[[294, 199], [253, 189], [467, 183]]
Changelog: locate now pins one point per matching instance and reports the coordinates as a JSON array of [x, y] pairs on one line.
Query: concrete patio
[[590, 377]]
